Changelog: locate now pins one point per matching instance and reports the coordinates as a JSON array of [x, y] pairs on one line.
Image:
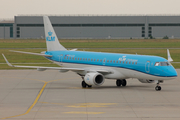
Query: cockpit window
[[162, 64], [165, 64], [156, 64]]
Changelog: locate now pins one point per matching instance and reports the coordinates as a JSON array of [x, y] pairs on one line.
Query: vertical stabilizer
[[52, 41]]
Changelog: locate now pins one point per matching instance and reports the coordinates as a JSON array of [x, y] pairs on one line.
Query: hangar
[[94, 27]]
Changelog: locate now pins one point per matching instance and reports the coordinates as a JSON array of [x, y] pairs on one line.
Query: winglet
[[7, 61], [169, 56]]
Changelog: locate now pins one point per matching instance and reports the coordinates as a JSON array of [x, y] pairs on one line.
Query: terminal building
[[93, 27]]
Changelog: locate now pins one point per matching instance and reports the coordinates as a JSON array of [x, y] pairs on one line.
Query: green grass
[[93, 43]]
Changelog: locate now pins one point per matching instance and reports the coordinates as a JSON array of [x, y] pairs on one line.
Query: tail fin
[[52, 42]]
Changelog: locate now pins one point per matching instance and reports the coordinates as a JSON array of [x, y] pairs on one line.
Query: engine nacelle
[[94, 79], [146, 81]]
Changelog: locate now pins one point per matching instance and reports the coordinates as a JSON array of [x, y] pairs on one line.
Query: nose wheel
[[158, 87]]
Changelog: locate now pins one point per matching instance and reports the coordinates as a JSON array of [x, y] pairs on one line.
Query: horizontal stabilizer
[[39, 54]]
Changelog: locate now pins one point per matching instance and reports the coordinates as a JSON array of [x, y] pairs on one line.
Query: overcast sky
[[11, 8]]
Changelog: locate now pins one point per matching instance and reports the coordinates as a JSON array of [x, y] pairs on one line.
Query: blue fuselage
[[140, 63]]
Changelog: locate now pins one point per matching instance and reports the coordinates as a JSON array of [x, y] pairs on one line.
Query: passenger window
[[78, 58], [97, 60], [107, 60], [88, 59], [136, 62], [94, 59], [129, 62], [81, 59], [114, 61], [64, 57], [111, 61], [75, 58], [72, 58], [117, 62], [67, 57], [91, 59], [132, 62], [126, 62], [101, 60], [104, 60], [123, 62]]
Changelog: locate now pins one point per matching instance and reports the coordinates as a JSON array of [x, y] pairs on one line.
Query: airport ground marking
[[37, 98], [34, 103]]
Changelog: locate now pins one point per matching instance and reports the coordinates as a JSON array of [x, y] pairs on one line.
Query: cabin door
[[147, 66]]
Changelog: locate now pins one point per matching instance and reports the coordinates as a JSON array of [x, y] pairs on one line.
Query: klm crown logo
[[50, 37], [49, 33]]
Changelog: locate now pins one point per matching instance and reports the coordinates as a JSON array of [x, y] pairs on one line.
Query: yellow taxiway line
[[34, 103]]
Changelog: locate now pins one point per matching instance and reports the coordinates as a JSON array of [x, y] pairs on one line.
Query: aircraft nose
[[172, 72]]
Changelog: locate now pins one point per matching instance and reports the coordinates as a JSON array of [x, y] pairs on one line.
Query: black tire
[[124, 83], [83, 84], [157, 88], [118, 83], [89, 86]]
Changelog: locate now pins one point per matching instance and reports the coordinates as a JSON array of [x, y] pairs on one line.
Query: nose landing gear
[[158, 87]]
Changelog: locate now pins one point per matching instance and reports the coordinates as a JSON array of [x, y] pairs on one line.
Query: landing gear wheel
[[124, 83], [158, 88], [89, 86], [118, 83], [83, 84]]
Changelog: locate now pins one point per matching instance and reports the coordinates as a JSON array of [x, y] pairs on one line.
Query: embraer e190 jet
[[95, 67]]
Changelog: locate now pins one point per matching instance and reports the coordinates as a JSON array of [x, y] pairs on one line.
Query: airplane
[[95, 67]]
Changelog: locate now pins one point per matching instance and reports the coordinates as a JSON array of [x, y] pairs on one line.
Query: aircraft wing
[[41, 68], [40, 54]]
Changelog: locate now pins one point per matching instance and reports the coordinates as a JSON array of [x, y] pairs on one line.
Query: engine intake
[[94, 79]]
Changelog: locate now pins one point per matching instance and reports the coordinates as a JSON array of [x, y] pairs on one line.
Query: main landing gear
[[158, 87], [84, 85], [121, 82]]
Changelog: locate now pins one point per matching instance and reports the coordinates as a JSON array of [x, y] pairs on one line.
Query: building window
[[11, 32]]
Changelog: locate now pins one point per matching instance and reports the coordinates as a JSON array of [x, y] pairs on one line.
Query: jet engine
[[94, 79], [146, 81]]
